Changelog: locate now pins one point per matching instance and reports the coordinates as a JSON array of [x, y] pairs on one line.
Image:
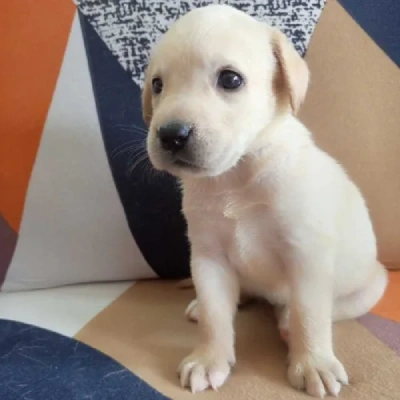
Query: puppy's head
[[215, 81]]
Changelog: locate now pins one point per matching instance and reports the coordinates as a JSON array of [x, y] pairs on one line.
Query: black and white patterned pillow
[[130, 28]]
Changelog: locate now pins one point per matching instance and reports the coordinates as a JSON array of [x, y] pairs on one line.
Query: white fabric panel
[[73, 228], [63, 310]]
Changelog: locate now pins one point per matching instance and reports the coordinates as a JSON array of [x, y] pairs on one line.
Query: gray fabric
[[8, 240]]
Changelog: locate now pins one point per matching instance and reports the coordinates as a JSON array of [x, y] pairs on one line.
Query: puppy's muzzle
[[174, 136]]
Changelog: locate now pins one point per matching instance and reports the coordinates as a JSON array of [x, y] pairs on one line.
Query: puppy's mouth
[[181, 166], [185, 164]]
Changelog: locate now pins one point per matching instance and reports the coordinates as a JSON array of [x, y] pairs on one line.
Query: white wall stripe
[[74, 228], [63, 310]]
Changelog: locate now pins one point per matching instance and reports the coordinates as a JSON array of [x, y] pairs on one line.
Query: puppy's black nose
[[174, 135]]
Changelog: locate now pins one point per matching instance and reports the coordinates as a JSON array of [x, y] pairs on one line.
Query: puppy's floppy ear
[[147, 107], [293, 74]]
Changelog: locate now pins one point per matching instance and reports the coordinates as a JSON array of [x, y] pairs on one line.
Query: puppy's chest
[[243, 222], [254, 231]]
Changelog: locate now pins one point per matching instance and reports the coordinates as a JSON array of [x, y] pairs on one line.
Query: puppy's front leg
[[217, 290], [313, 364]]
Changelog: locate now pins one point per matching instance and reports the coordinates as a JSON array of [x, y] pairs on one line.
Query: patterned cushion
[[79, 201]]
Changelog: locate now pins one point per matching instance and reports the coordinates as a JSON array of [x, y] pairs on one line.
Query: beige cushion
[[352, 107]]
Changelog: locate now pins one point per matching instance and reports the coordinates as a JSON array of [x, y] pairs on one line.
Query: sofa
[[92, 239]]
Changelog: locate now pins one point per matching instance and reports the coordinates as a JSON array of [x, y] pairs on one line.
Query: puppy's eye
[[229, 80], [157, 85]]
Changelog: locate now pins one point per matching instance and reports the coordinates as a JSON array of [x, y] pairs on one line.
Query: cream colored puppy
[[267, 210]]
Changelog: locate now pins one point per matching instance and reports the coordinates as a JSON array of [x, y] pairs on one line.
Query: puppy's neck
[[279, 141], [284, 130]]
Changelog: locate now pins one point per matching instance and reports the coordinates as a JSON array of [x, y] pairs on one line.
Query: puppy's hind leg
[[192, 310], [362, 301], [282, 316], [347, 307]]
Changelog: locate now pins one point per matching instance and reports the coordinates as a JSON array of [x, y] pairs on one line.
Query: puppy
[[192, 310], [268, 212]]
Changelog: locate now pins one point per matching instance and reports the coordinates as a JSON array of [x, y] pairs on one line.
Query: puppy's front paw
[[205, 368], [318, 375]]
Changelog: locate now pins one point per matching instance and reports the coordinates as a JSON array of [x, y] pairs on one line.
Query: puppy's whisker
[[131, 150], [137, 163], [132, 144], [151, 172], [134, 140], [123, 150], [133, 154], [135, 151], [132, 128], [139, 128]]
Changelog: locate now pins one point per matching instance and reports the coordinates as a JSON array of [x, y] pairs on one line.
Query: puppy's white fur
[[268, 212]]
